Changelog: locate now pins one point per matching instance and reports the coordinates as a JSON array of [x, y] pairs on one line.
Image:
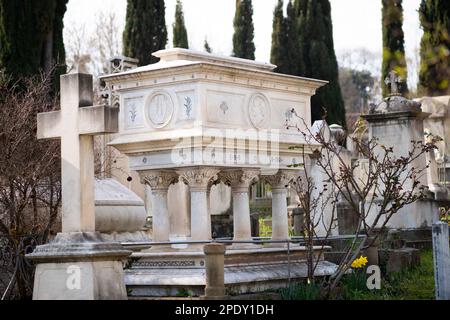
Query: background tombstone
[[441, 256], [395, 122], [78, 264]]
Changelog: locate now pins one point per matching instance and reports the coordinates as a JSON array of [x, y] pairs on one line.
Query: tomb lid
[[178, 58], [178, 54], [110, 191], [395, 103]]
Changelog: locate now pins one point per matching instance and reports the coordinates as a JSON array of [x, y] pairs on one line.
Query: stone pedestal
[[395, 123], [214, 271], [79, 266]]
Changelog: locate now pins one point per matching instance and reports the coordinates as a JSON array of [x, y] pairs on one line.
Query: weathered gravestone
[[78, 264], [396, 122], [441, 256]]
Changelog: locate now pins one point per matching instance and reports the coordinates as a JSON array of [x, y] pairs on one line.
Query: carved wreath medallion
[[160, 109], [259, 111]]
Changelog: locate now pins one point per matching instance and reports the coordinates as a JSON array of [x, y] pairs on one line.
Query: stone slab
[[246, 271], [238, 280]]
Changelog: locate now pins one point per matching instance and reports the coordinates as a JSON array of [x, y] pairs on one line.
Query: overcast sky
[[357, 23]]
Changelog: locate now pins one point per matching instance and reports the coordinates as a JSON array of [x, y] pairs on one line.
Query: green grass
[[414, 284], [301, 292]]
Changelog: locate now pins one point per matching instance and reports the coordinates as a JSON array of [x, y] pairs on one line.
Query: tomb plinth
[[78, 264], [203, 119], [396, 122]]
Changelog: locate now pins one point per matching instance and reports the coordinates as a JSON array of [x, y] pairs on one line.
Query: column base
[[79, 266]]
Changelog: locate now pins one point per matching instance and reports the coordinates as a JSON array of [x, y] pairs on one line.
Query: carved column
[[159, 182], [198, 180], [240, 181], [279, 183]]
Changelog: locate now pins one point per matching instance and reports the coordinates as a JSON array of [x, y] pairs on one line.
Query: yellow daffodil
[[360, 262]]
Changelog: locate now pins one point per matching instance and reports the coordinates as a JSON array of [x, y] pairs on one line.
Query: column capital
[[240, 179], [281, 179], [158, 180], [198, 178]]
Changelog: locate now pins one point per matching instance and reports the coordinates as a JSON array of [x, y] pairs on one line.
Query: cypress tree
[[434, 74], [243, 46], [278, 54], [393, 43], [180, 36], [31, 36], [145, 30], [317, 58], [294, 59]]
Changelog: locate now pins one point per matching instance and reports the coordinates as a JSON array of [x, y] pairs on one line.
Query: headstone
[[78, 264], [347, 218], [299, 221], [441, 256]]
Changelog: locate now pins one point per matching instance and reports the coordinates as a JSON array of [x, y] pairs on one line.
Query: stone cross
[[441, 257], [393, 80], [76, 125]]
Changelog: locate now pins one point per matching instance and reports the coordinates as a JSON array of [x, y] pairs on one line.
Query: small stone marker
[[441, 255], [215, 274], [394, 81]]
